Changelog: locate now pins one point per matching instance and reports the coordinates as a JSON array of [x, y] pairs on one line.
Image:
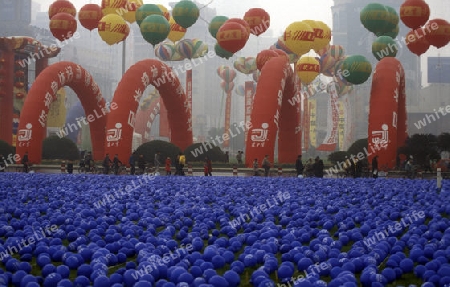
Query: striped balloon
[[165, 51], [336, 51], [185, 48]]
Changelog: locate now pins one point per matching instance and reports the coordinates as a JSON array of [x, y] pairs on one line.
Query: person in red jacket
[[168, 166], [208, 167]]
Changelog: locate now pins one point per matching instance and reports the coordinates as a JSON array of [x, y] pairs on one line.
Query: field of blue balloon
[[106, 233]]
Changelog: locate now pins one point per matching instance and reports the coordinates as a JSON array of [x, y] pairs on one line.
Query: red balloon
[[258, 20], [437, 32], [60, 6], [63, 25], [414, 13], [243, 23], [232, 36], [416, 41], [90, 15], [264, 56]]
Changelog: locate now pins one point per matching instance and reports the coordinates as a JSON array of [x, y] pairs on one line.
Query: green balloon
[[393, 33], [215, 24], [392, 20], [374, 18], [356, 69], [384, 46], [155, 29], [147, 10], [185, 13], [221, 52]]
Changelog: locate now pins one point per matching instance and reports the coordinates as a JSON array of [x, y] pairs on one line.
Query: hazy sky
[[282, 12]]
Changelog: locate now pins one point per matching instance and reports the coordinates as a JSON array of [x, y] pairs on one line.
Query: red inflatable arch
[[387, 117], [33, 117], [272, 113], [146, 115], [121, 122]]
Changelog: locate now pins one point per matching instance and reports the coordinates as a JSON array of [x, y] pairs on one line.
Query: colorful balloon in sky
[[147, 10]]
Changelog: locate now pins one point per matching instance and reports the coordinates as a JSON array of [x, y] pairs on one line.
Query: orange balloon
[[264, 56]]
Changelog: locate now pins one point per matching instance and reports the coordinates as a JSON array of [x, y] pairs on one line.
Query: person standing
[[168, 166], [375, 166], [141, 164], [299, 165], [208, 166], [181, 163], [358, 168], [70, 167], [157, 161], [255, 167], [318, 167], [239, 157], [266, 165], [116, 164], [25, 162], [106, 164], [2, 163], [132, 163], [88, 161]]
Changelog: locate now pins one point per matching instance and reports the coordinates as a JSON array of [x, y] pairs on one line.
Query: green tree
[[197, 153], [338, 156], [6, 149], [55, 147], [166, 149], [421, 145], [443, 142], [358, 146]]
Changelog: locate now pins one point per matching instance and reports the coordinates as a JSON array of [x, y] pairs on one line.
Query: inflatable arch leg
[[33, 117], [269, 103], [387, 117], [146, 117], [121, 122]]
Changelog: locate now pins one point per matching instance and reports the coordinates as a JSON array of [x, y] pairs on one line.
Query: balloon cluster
[[228, 75], [184, 49], [415, 14], [232, 34], [245, 65], [302, 36]]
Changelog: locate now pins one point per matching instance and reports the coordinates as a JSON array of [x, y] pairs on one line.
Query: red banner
[[226, 142], [330, 141], [248, 93], [305, 121]]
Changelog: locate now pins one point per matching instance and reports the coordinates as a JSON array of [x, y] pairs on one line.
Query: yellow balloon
[[176, 31], [307, 68], [130, 13], [113, 29], [299, 37], [118, 7], [325, 40], [166, 12]]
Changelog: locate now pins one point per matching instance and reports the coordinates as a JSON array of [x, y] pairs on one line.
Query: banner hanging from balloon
[[312, 103]]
